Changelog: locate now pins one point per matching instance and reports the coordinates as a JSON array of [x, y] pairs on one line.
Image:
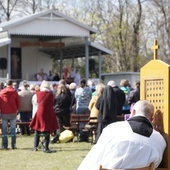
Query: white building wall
[[64, 28], [32, 60], [117, 77], [3, 54]]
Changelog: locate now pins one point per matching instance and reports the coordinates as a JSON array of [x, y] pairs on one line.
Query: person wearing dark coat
[[107, 106], [56, 77], [62, 107], [62, 110], [62, 81], [120, 95], [72, 88], [45, 120], [134, 95]]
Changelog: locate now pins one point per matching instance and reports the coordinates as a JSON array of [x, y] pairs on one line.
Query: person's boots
[[13, 142], [55, 139], [28, 130]]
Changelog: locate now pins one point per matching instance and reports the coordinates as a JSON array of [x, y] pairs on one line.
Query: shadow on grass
[[58, 149]]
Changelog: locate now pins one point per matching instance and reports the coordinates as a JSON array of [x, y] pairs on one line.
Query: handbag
[[66, 136]]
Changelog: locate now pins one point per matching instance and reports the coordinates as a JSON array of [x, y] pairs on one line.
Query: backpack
[[127, 93]]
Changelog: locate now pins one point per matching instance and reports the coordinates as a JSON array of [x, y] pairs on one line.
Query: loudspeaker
[[91, 64], [3, 63]]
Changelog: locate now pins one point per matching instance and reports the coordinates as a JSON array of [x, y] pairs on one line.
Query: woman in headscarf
[[107, 106], [45, 120]]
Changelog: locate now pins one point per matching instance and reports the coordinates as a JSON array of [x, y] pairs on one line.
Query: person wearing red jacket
[[9, 105], [44, 120]]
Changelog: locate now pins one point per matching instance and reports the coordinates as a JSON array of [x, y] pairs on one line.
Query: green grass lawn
[[68, 156]]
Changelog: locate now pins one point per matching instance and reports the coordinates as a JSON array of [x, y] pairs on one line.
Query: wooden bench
[[120, 117], [92, 128], [93, 120], [77, 122], [18, 123]]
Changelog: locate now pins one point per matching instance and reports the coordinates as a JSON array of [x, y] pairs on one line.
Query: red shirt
[[9, 100]]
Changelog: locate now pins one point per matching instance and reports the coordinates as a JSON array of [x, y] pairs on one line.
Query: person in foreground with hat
[[128, 144], [45, 120]]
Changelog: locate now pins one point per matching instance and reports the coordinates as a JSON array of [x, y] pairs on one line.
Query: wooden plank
[[120, 117], [17, 123], [41, 44], [77, 119]]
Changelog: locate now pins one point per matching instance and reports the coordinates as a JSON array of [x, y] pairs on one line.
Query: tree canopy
[[127, 27]]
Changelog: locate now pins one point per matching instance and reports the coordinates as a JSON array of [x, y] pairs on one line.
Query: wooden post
[[155, 87]]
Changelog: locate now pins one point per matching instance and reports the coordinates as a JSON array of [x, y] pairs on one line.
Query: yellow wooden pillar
[[155, 87]]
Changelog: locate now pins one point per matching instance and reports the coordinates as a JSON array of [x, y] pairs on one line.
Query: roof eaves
[[101, 48], [18, 21]]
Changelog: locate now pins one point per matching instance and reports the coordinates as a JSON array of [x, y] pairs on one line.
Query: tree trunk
[[135, 40]]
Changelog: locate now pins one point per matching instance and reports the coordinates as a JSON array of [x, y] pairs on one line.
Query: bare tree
[[122, 32], [161, 19], [8, 7], [136, 38], [127, 27], [31, 6], [34, 6]]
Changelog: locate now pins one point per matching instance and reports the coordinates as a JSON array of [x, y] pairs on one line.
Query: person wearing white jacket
[[128, 144]]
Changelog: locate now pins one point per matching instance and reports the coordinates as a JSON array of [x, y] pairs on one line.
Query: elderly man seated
[[128, 144]]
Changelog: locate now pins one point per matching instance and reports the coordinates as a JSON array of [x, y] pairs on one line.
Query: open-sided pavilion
[[44, 36]]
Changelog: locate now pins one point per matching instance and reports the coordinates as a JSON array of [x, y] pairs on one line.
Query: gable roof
[[57, 24]]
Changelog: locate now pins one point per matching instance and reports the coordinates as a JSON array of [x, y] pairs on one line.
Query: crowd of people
[[102, 101], [48, 108]]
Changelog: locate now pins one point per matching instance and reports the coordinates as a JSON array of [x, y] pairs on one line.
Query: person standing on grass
[[9, 105], [93, 110], [34, 101], [62, 110], [25, 109], [120, 95], [107, 106], [45, 120]]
